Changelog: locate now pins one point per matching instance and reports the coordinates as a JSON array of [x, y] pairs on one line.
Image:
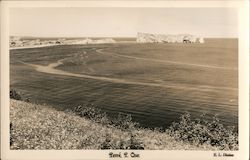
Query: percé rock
[[161, 38]]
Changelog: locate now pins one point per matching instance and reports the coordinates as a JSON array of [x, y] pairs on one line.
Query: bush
[[135, 143], [15, 95], [124, 122], [92, 113], [129, 142], [107, 143], [201, 131], [11, 135]]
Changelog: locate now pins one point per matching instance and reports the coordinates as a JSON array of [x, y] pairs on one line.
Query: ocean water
[[158, 91]]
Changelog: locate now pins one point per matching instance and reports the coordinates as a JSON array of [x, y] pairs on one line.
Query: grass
[[42, 127]]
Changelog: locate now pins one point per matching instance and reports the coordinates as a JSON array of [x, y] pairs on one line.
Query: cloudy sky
[[122, 22]]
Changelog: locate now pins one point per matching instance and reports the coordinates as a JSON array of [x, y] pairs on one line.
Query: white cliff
[[161, 38]]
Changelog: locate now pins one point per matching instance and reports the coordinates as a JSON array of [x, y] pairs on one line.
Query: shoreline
[[35, 46]]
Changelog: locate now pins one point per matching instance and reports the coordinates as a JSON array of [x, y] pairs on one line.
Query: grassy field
[[42, 127], [168, 79]]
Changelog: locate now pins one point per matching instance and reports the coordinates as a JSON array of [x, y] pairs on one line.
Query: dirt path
[[163, 61], [51, 69]]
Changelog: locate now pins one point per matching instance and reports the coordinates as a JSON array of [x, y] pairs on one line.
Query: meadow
[[86, 127], [155, 83]]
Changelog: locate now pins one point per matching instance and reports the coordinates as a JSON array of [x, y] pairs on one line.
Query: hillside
[[42, 127]]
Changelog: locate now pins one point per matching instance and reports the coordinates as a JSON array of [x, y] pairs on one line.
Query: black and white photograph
[[124, 79]]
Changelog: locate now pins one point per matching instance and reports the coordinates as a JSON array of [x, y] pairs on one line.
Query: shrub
[[130, 141], [11, 135], [201, 131], [15, 95], [107, 143], [124, 122], [92, 113], [135, 143], [159, 129]]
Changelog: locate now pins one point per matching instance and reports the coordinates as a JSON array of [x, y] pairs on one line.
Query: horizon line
[[28, 36]]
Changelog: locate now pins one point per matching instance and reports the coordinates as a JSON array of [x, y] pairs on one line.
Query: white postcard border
[[242, 154]]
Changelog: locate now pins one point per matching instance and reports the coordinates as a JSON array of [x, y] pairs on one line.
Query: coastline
[[34, 46]]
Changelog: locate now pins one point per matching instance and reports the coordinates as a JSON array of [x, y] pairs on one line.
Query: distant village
[[19, 42]]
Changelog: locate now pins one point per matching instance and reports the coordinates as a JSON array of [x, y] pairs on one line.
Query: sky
[[122, 22]]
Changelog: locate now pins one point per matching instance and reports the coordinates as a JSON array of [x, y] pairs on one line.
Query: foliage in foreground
[[196, 132], [42, 127], [122, 122], [201, 131], [15, 95]]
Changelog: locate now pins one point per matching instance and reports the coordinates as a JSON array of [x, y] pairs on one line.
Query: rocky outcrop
[[161, 38]]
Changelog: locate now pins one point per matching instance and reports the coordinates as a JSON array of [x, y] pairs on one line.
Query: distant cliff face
[[160, 38]]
